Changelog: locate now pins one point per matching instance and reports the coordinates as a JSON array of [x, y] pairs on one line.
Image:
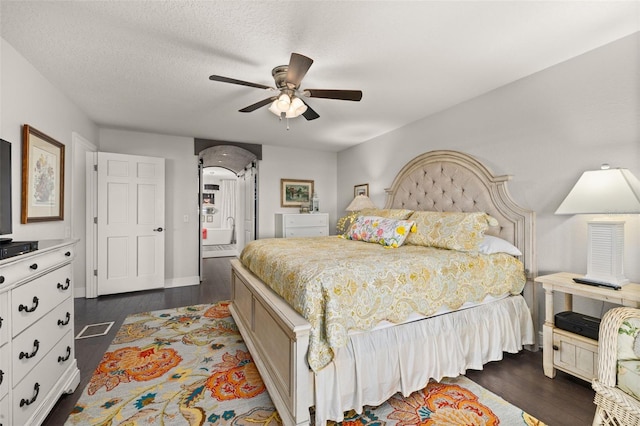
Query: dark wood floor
[[518, 378]]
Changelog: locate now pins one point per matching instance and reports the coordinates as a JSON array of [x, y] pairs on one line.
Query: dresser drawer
[[307, 232], [35, 299], [33, 390], [22, 269], [36, 341], [5, 364], [4, 411], [4, 318], [305, 220]]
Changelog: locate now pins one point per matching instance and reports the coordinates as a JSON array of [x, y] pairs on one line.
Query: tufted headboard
[[454, 181]]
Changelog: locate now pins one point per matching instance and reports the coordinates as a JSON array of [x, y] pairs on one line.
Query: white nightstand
[[570, 352], [302, 225]]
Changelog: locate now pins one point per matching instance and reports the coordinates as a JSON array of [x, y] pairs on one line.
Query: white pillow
[[491, 244]]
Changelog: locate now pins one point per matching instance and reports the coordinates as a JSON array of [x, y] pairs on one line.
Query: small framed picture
[[362, 189], [295, 192]]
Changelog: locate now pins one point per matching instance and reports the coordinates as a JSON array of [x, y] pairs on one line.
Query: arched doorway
[[228, 201]]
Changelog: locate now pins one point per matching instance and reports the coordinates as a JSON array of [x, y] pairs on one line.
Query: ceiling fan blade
[[240, 82], [344, 95], [257, 105], [310, 114], [298, 67]]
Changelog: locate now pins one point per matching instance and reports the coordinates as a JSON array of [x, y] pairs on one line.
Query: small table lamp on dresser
[[608, 192], [360, 202]]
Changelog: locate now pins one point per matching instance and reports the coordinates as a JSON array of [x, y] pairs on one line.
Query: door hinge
[[95, 272], [95, 220], [95, 167]]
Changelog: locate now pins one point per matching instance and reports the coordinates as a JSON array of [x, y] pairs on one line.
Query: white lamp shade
[[610, 191], [360, 202], [283, 102], [296, 108], [274, 108]]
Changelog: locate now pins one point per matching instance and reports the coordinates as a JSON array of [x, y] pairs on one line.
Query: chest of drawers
[[37, 358], [302, 225]]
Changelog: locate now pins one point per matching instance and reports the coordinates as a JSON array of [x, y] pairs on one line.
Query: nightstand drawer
[[575, 354]]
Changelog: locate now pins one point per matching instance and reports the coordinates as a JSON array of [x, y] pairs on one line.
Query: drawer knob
[[68, 318], [68, 254], [1, 322], [33, 307], [1, 376], [34, 266], [36, 390], [63, 359], [556, 347], [64, 287], [36, 347], [1, 279]]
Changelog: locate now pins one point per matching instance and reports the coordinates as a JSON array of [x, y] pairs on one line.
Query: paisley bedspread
[[339, 285]]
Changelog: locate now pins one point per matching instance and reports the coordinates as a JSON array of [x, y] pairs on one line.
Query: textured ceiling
[[144, 65]]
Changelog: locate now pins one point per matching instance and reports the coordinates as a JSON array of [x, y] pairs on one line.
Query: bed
[[372, 364]]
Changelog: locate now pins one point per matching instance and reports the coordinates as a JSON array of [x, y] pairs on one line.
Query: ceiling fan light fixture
[[297, 108], [274, 108], [283, 103]]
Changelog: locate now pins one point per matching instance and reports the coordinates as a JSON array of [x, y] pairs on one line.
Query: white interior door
[[130, 224]]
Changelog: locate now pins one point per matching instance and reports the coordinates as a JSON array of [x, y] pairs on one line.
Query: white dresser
[[37, 358], [302, 225]]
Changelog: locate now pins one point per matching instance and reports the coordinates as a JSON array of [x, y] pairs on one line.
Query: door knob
[[159, 229]]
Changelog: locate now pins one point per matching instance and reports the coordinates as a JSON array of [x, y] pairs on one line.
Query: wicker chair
[[615, 407]]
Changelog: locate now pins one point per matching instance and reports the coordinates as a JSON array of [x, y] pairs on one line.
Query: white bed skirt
[[363, 373]]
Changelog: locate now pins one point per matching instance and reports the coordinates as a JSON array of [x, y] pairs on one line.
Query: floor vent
[[95, 330]]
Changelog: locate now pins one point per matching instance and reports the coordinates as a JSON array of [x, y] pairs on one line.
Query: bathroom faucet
[[233, 221]]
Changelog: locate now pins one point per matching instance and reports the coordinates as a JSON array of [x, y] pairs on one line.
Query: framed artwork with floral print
[[42, 177]]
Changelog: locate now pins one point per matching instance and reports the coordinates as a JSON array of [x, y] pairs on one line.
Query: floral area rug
[[189, 366]]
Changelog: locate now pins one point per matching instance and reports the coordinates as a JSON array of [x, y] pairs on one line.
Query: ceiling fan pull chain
[[287, 123]]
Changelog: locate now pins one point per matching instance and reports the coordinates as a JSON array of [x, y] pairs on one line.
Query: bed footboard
[[278, 339]]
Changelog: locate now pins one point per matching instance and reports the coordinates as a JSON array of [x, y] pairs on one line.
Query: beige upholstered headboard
[[454, 181]]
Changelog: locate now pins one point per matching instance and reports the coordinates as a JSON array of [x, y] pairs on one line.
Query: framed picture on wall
[[42, 177], [295, 192], [362, 189]]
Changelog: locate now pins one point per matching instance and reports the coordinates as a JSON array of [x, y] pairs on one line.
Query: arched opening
[[228, 205]]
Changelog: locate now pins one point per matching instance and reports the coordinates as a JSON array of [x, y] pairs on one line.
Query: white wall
[[181, 196], [545, 130], [27, 97], [288, 163]]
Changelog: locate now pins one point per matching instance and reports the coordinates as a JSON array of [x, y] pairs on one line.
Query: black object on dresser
[[15, 248]]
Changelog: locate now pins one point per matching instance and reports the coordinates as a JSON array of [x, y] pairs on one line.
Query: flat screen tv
[[5, 191]]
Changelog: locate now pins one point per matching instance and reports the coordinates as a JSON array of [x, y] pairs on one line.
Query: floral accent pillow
[[450, 230], [376, 229]]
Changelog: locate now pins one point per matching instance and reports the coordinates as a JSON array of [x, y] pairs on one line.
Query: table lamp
[[606, 191], [360, 202]]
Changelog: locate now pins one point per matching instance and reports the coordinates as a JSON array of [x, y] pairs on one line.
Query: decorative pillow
[[491, 245], [450, 230], [402, 214], [376, 229], [628, 332]]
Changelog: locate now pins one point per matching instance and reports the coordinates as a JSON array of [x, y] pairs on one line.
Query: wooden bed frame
[[278, 337]]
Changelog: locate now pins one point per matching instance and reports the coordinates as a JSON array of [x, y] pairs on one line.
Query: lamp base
[[606, 252]]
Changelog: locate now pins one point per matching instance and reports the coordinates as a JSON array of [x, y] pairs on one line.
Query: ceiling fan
[[289, 102]]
